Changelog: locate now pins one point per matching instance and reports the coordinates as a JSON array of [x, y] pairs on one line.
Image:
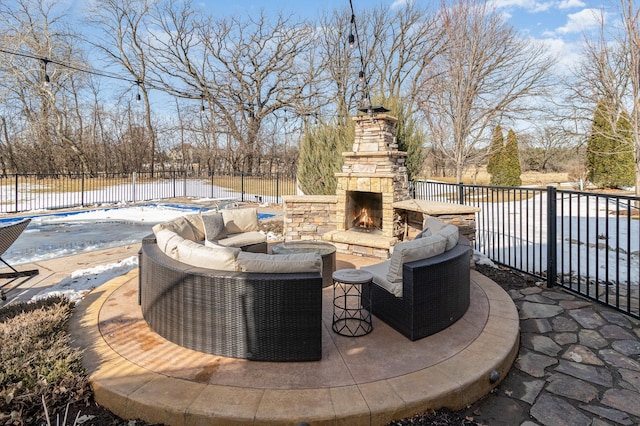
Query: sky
[[559, 23]]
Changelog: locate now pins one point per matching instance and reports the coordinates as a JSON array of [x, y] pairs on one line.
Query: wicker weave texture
[[436, 293], [262, 317]]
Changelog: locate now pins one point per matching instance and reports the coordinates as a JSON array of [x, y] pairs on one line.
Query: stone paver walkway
[[579, 364]]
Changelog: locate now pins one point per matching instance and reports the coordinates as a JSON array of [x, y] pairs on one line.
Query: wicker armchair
[[257, 316], [435, 294]]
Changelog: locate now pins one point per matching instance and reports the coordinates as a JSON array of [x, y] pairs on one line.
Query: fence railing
[[588, 243], [28, 192]]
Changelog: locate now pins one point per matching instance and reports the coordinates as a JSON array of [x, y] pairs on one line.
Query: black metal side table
[[351, 308]]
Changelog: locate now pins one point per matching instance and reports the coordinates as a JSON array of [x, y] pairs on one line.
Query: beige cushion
[[451, 233], [424, 233], [279, 263], [168, 242], [241, 220], [433, 224], [196, 225], [408, 251], [379, 272], [208, 256], [180, 226], [243, 239], [213, 224]]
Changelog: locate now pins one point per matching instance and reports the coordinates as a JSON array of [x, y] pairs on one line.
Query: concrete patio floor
[[368, 380]]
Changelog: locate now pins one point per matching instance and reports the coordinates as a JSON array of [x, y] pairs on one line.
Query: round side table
[[351, 308]]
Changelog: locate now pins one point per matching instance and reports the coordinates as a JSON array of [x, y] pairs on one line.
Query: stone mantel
[[434, 208]]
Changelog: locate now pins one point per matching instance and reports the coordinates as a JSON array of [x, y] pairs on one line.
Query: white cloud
[[584, 20], [570, 4], [400, 3], [567, 54], [532, 6]]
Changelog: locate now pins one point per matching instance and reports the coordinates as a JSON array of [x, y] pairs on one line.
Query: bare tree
[[245, 70], [122, 28], [610, 71], [484, 74], [38, 85]]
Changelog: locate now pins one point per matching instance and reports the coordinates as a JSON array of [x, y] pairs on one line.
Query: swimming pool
[[60, 234]]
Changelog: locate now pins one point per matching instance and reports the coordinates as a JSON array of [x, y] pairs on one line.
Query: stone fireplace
[[373, 177], [372, 209]]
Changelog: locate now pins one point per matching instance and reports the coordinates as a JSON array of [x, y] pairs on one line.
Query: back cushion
[[208, 255], [279, 263], [408, 251], [196, 225], [180, 226], [432, 224], [451, 233], [214, 228], [168, 242], [241, 220]]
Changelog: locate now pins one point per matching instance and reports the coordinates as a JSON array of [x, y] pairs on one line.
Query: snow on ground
[[82, 281], [47, 237]]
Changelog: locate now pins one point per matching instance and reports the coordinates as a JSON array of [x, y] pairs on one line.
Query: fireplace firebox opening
[[364, 211]]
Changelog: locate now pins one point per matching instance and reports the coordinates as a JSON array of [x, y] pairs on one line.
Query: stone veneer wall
[[466, 222], [308, 217]]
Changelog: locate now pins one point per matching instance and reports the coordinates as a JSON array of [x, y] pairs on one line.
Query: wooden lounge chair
[[8, 235]]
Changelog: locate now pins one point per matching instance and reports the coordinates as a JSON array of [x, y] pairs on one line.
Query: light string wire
[[46, 60], [363, 67]]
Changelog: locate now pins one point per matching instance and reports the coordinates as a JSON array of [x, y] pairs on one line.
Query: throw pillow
[[214, 228]]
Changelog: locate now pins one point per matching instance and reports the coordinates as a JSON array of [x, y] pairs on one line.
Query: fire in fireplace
[[364, 211]]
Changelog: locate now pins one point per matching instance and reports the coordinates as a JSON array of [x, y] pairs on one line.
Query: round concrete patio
[[368, 380]]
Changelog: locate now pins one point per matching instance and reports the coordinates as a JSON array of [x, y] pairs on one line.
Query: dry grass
[[36, 361], [528, 178]]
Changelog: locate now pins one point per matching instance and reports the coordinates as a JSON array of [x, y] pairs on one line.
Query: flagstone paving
[[579, 364]]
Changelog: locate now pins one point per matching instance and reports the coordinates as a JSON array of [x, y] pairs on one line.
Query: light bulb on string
[[47, 80]]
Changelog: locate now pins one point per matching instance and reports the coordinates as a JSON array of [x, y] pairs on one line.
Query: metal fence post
[[211, 174], [242, 185], [82, 189], [460, 193], [133, 186], [173, 178], [16, 191], [552, 246], [277, 188]]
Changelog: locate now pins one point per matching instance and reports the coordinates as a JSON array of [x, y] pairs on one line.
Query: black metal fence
[[586, 242], [28, 192]]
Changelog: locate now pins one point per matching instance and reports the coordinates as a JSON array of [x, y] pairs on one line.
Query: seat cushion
[[379, 272], [408, 251], [243, 239], [279, 263]]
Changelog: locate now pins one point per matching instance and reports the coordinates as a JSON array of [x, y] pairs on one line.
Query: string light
[[361, 75], [47, 80]]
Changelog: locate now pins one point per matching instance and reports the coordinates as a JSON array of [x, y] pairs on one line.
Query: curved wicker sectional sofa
[[258, 307], [425, 286]]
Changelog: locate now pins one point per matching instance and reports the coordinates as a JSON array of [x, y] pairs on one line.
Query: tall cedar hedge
[[504, 161], [609, 151], [321, 157]]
